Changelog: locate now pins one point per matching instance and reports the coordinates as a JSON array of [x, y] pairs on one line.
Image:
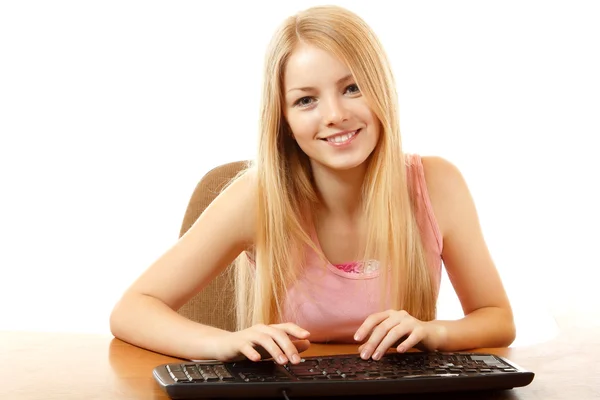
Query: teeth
[[341, 138]]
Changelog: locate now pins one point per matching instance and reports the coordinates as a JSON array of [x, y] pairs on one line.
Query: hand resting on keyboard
[[282, 342], [301, 346]]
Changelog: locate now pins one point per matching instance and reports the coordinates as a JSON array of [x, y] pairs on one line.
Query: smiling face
[[329, 118]]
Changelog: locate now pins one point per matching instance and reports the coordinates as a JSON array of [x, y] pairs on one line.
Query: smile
[[342, 139]]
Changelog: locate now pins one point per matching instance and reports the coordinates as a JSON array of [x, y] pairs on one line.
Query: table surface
[[84, 366]]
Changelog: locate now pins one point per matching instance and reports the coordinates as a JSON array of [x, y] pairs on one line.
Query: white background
[[110, 112]]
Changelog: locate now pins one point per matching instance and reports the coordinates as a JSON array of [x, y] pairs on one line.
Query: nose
[[334, 111]]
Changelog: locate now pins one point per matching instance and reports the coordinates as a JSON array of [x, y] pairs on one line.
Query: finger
[[411, 341], [377, 335], [371, 322], [284, 342], [396, 343], [293, 330], [301, 345], [391, 339], [268, 343], [249, 352], [381, 331]]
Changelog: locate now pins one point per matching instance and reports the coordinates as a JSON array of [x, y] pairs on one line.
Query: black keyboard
[[342, 375]]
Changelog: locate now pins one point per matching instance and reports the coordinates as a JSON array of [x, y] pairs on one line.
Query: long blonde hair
[[284, 178]]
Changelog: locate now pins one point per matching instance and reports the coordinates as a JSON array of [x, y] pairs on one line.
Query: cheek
[[302, 125], [373, 122], [369, 114]]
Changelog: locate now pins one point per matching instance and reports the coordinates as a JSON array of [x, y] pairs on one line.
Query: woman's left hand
[[387, 328]]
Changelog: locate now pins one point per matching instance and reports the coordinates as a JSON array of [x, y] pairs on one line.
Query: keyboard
[[342, 375]]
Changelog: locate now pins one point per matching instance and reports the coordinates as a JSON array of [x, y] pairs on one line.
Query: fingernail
[[400, 349], [296, 358], [357, 337], [377, 355], [282, 359], [364, 355]]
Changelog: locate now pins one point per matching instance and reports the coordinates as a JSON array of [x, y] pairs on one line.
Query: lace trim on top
[[359, 267]]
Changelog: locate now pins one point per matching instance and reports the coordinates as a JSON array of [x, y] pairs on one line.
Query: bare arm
[[488, 320], [145, 316]]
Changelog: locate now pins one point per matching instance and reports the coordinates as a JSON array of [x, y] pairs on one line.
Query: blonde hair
[[285, 188]]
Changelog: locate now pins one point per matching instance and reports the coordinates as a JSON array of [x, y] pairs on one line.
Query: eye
[[304, 101], [352, 89]]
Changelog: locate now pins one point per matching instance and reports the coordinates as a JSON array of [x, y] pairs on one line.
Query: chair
[[213, 305]]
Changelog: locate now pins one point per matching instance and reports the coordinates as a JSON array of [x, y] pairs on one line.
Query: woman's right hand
[[263, 341]]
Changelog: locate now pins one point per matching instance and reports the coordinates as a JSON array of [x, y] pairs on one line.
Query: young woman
[[339, 236]]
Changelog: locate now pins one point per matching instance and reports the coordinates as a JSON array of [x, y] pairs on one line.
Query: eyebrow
[[308, 88]]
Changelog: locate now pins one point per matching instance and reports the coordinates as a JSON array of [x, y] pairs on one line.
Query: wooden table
[[79, 366]]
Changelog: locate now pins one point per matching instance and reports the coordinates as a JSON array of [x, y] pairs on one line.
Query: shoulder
[[240, 190], [247, 180], [447, 189], [236, 204], [440, 174]]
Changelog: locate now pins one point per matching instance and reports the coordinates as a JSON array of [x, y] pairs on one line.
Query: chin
[[345, 165]]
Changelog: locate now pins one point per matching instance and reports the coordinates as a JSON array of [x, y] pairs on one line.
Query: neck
[[340, 191]]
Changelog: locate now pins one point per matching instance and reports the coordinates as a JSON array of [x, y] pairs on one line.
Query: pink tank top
[[332, 302]]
